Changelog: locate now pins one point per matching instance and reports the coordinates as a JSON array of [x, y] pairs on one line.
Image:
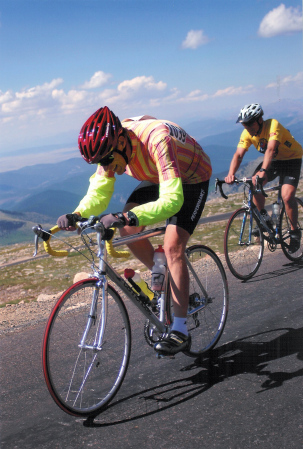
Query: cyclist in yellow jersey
[[175, 173], [282, 157]]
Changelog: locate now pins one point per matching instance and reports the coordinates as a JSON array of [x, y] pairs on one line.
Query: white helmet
[[250, 112]]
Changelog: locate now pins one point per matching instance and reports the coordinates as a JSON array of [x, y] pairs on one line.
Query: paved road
[[247, 394]]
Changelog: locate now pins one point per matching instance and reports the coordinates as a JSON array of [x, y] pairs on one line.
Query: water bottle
[[275, 216], [159, 269], [138, 284]]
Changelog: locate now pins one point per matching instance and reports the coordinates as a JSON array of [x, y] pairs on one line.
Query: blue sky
[[183, 60]]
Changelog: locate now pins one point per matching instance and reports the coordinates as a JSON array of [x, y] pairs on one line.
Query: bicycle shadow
[[249, 355], [287, 268]]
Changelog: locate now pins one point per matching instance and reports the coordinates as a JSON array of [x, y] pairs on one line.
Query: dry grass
[[25, 281]]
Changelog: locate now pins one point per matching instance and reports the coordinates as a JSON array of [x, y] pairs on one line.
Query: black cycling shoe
[[295, 241], [173, 343]]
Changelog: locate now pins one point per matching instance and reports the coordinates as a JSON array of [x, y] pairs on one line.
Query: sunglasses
[[250, 123], [108, 159]]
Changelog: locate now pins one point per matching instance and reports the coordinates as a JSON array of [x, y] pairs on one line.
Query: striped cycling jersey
[[288, 148], [162, 153], [161, 150]]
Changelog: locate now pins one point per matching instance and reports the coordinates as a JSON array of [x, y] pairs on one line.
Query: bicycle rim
[[243, 254], [210, 301], [284, 233], [83, 382]]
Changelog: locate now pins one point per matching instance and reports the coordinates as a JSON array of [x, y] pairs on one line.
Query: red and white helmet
[[250, 112], [99, 135]]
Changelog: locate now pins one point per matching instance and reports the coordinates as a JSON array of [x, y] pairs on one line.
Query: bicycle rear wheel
[[284, 233], [208, 299], [243, 251], [83, 381]]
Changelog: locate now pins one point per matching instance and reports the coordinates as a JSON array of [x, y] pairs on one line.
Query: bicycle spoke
[[243, 244], [208, 304], [82, 380]]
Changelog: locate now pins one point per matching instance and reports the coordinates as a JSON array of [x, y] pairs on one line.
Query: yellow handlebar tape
[[111, 250], [62, 253], [48, 248]]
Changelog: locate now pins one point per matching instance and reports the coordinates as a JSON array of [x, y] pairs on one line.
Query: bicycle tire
[[284, 233], [83, 382], [243, 258], [207, 324]]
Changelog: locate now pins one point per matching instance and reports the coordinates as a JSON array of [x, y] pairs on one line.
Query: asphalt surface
[[246, 394]]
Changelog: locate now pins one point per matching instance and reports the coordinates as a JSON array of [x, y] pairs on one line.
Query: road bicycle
[[87, 340], [247, 230]]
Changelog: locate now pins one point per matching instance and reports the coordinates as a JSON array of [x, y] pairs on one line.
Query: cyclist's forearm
[[269, 156], [98, 196], [235, 164], [169, 203]]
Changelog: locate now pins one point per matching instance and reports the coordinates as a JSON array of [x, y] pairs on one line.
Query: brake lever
[[36, 245], [219, 183], [259, 187]]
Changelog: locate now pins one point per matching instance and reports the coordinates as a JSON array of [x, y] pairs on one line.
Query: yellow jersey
[[289, 148]]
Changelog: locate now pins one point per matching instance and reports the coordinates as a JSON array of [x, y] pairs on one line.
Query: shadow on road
[[287, 268], [249, 355]]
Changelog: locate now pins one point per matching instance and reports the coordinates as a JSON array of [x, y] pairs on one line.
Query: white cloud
[[194, 39], [194, 97], [281, 20], [97, 80], [233, 91], [295, 80], [140, 90], [41, 112], [29, 99], [5, 96], [139, 83]]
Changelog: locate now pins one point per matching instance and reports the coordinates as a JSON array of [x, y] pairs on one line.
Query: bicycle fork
[[93, 318]]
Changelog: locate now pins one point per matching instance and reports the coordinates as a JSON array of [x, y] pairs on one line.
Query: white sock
[[180, 325]]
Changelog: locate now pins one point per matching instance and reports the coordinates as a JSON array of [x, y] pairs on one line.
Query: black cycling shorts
[[288, 170], [190, 213]]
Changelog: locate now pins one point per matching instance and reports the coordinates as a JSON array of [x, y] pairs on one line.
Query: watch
[[264, 169], [132, 219]]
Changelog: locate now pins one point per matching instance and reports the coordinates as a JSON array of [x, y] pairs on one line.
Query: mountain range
[[45, 191]]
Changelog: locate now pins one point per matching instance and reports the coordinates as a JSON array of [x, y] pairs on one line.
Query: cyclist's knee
[[288, 194]]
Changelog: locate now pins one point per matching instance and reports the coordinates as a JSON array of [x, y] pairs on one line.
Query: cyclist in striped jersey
[[175, 173]]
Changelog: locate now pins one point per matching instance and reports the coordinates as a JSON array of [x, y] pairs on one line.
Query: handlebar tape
[[48, 248]]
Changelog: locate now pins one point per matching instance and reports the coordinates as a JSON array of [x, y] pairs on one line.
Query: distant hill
[[42, 192], [50, 202], [66, 182], [16, 227]]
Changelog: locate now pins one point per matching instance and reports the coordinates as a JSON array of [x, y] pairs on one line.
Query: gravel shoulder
[[14, 317]]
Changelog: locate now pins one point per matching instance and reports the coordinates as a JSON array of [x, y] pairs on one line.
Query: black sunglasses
[[108, 159], [250, 123]]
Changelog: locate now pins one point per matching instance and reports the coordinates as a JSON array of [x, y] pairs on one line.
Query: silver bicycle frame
[[105, 270]]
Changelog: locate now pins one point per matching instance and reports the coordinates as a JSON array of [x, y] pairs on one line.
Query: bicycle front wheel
[[243, 250], [83, 379], [285, 236], [208, 299]]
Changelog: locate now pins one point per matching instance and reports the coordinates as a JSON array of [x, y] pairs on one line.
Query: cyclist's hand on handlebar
[[262, 178], [119, 220], [68, 222], [113, 220], [230, 179]]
